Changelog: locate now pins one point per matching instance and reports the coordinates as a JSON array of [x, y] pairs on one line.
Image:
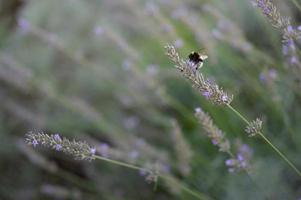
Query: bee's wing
[[203, 56]]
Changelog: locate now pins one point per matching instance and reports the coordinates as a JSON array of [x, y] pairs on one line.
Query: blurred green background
[[96, 70]]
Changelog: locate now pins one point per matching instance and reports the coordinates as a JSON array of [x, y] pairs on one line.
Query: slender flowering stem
[[267, 141], [83, 151], [281, 154], [167, 178]]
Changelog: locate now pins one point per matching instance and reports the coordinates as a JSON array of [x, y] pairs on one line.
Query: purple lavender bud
[[58, 147], [34, 143], [240, 157], [93, 150], [299, 28], [198, 110], [291, 44], [57, 137], [230, 162], [214, 141], [224, 98], [293, 60], [290, 29], [207, 94]]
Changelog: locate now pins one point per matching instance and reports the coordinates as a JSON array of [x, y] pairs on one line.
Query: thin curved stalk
[[267, 141], [166, 178]]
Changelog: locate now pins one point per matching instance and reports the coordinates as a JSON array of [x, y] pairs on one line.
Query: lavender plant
[[216, 95], [290, 34], [80, 150], [238, 162]]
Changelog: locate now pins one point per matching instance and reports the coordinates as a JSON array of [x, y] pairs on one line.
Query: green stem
[[297, 4], [268, 142], [281, 154], [123, 164]]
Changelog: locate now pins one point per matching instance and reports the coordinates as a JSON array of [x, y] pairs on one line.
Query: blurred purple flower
[[93, 150], [207, 94], [34, 143], [214, 142], [290, 29], [23, 24], [58, 147], [57, 137], [98, 30], [230, 162], [104, 149], [293, 60]]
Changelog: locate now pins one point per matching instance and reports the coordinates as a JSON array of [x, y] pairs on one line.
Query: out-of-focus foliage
[[96, 70]]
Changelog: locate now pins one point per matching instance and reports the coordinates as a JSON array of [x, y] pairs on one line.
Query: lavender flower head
[[254, 127], [207, 88], [78, 149], [242, 160], [213, 132]]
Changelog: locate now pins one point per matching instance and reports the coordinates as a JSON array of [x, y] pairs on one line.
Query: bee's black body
[[195, 58]]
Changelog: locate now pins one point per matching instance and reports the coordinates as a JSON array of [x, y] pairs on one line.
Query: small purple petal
[[290, 29], [240, 157], [34, 143], [214, 141], [293, 60], [198, 110], [207, 94], [57, 137], [225, 98], [58, 147], [230, 162], [92, 150]]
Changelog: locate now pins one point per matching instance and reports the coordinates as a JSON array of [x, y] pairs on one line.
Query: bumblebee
[[197, 59]]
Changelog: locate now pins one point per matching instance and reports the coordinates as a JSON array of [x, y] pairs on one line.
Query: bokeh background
[[96, 70]]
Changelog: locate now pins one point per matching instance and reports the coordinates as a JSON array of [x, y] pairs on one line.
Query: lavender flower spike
[[207, 88], [78, 149]]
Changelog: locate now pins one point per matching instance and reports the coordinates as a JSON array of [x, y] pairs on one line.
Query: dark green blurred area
[[96, 70]]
